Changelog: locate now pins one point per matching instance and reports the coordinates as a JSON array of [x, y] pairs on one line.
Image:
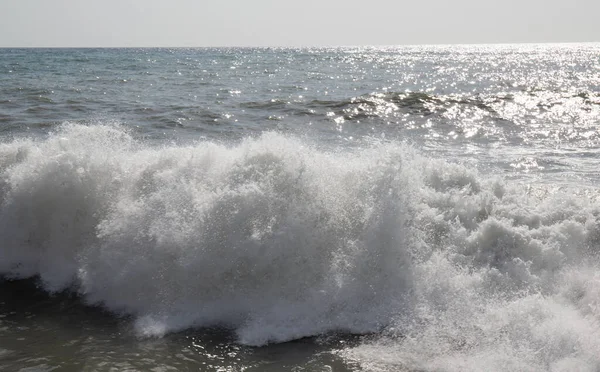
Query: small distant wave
[[382, 104], [541, 116]]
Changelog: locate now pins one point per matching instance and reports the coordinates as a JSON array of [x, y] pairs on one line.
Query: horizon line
[[304, 46]]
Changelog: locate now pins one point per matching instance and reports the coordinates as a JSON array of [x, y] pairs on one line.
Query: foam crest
[[270, 237], [510, 283], [279, 240]]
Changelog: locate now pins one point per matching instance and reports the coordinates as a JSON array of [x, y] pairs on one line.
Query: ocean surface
[[422, 208]]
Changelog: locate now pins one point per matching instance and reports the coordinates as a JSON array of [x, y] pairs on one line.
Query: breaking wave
[[279, 240]]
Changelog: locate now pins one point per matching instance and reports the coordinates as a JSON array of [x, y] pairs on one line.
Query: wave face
[[270, 237], [279, 240]]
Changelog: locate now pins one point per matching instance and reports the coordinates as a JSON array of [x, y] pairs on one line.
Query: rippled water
[[402, 208]]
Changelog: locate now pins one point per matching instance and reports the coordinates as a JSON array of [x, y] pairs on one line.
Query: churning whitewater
[[279, 239]]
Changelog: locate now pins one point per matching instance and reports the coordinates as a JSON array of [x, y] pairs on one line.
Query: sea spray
[[279, 240], [511, 283], [270, 237]]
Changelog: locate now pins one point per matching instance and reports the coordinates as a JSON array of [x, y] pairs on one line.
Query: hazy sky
[[293, 23]]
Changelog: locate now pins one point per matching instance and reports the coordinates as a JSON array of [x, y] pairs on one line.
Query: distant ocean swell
[[278, 240], [512, 103], [522, 115]]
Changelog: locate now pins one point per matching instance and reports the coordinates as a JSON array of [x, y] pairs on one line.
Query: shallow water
[[58, 332]]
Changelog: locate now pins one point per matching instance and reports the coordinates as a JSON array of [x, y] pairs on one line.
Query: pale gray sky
[[121, 23]]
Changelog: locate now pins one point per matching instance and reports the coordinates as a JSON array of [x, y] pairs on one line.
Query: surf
[[278, 239]]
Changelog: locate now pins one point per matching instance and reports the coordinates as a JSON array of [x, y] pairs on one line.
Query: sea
[[401, 208]]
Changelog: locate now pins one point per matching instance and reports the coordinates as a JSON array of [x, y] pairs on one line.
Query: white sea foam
[[279, 240]]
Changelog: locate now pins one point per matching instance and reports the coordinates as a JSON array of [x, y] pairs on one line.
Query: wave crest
[[279, 240]]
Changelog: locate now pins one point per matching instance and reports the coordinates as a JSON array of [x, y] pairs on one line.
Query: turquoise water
[[402, 208]]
